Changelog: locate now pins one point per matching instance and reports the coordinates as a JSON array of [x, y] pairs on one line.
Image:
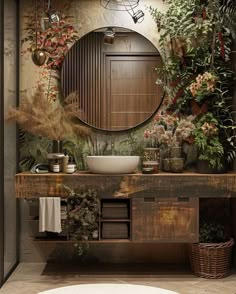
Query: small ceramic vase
[[176, 165], [151, 154], [166, 164], [176, 152]]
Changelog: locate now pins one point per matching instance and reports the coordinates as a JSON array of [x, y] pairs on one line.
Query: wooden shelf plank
[[113, 220], [187, 184], [64, 240]]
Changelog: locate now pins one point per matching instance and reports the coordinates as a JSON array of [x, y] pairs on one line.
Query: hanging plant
[[82, 217], [52, 41]]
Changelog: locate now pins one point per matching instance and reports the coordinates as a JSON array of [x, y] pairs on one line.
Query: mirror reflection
[[111, 70]]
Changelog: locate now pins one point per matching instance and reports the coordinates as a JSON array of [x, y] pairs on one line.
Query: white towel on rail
[[50, 214]]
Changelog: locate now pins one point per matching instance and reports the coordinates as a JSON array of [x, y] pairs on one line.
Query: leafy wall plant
[[196, 43], [56, 38], [206, 136], [82, 217]]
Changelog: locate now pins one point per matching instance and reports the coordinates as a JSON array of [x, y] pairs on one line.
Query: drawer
[[165, 219]]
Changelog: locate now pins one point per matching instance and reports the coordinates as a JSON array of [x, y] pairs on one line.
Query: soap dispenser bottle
[[65, 161]]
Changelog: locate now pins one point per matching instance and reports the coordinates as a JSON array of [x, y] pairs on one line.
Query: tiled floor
[[31, 278]]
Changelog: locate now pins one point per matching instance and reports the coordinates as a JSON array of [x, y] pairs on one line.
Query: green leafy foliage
[[196, 38], [207, 140], [33, 150], [82, 217], [213, 233]]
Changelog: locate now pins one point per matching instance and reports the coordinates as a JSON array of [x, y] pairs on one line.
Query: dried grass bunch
[[39, 116]]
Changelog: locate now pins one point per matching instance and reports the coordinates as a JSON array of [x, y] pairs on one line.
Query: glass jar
[[150, 166]]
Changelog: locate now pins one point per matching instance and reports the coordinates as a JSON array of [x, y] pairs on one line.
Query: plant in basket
[[211, 257]]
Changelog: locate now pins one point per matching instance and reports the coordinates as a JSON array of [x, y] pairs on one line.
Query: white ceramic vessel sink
[[113, 164]]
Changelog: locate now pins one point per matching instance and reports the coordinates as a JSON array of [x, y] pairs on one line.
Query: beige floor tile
[[31, 278]]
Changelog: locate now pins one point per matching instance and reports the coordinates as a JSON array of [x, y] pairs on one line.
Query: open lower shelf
[[64, 240]]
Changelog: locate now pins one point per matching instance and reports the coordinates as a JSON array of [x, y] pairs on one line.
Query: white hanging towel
[[50, 214]]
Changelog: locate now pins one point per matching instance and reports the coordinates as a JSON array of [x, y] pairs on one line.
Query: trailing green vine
[[83, 208]]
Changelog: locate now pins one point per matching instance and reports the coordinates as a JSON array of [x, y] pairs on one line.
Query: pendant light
[[125, 5], [38, 55]]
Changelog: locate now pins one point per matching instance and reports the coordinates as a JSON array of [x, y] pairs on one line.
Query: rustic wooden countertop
[[187, 184]]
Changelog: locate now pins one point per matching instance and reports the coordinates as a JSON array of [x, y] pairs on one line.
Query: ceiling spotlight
[[109, 36]]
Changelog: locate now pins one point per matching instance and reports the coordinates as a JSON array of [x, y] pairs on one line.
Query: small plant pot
[[176, 165], [204, 168], [166, 164], [175, 152], [151, 166], [151, 154]]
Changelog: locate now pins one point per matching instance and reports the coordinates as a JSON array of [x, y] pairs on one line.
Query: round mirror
[[111, 73]]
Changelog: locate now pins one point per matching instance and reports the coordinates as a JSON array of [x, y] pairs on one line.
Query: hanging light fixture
[[38, 55], [53, 16], [125, 5], [109, 36]]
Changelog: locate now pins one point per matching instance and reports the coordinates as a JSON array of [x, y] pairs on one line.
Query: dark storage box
[[115, 210], [115, 230]]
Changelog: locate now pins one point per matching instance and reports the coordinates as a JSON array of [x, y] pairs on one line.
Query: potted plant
[[170, 132], [211, 257]]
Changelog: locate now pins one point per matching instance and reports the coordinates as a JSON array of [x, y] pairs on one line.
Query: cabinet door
[[165, 219]]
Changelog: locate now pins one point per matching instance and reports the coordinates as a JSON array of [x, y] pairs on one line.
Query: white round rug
[[108, 289]]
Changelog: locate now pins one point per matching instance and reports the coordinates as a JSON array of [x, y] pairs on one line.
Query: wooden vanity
[[162, 207]]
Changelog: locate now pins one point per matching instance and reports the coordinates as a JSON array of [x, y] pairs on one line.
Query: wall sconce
[[109, 36], [125, 5]]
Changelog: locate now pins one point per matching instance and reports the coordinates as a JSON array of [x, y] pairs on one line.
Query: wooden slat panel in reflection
[[83, 63]]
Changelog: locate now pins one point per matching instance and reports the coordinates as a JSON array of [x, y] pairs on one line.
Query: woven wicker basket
[[211, 260]]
